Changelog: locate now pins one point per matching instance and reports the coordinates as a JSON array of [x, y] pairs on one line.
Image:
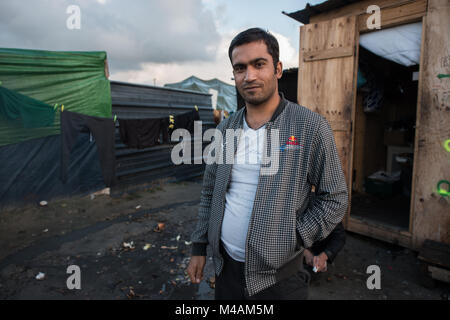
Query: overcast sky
[[149, 41]]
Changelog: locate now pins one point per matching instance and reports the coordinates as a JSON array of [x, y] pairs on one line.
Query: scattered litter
[[40, 276], [147, 246], [170, 248], [188, 243], [129, 245], [138, 207], [106, 191], [131, 294], [315, 269], [159, 227], [178, 237], [43, 203], [45, 230], [163, 289], [357, 272]]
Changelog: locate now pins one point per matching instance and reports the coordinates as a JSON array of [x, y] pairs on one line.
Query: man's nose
[[250, 74]]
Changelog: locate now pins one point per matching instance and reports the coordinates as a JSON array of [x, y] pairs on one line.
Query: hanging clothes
[[32, 112], [102, 130], [182, 121], [142, 133]]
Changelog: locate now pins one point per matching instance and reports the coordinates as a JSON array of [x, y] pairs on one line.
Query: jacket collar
[[278, 110]]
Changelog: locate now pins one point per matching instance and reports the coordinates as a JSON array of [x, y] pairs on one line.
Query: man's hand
[[308, 257], [195, 268], [320, 262]]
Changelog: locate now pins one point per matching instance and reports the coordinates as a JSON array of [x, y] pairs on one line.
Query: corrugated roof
[[304, 15]]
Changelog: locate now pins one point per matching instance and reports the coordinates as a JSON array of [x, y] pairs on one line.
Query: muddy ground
[[91, 233]]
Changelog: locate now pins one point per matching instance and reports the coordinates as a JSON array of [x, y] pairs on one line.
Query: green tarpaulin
[[74, 79], [31, 112]]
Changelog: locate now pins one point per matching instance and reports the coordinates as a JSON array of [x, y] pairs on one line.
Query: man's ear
[[279, 70]]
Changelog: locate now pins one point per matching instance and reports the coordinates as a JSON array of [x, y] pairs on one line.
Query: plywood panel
[[326, 86], [380, 232], [432, 210], [359, 8], [330, 53], [393, 16]]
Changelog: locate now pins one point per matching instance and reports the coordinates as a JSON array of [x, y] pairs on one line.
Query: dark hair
[[257, 34]]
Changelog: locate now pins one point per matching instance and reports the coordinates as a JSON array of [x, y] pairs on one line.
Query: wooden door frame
[[369, 227]]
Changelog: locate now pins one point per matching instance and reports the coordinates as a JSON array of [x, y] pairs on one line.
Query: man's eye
[[238, 68], [259, 64]]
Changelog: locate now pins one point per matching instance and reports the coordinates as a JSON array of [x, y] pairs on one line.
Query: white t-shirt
[[240, 196]]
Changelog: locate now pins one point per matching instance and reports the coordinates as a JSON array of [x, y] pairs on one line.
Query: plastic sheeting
[[399, 44], [31, 112], [32, 170], [75, 79], [226, 93]]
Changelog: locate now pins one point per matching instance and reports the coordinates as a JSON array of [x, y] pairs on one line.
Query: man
[[258, 225]]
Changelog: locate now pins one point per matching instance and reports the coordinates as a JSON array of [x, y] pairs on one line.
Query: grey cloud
[[132, 32]]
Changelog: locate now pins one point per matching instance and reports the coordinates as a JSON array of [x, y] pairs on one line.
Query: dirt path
[[91, 234]]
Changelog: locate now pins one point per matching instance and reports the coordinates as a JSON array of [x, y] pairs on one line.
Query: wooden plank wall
[[393, 12], [431, 214], [326, 78]]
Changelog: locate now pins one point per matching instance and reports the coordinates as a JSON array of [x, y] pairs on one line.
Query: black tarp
[[30, 170]]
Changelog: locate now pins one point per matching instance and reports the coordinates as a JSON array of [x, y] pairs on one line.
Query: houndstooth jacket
[[283, 221]]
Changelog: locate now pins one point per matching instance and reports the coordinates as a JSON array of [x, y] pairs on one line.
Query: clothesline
[[147, 132]]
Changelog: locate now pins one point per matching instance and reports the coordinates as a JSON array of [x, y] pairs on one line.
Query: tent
[[224, 95], [30, 155]]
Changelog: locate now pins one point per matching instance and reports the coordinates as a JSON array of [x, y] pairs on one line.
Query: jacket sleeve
[[335, 242], [330, 203], [199, 237]]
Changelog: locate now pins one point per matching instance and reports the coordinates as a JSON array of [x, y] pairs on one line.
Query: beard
[[257, 97]]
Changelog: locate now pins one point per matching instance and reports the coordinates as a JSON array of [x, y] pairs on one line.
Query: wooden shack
[[329, 58]]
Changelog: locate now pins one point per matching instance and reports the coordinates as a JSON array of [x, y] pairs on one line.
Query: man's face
[[254, 73]]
